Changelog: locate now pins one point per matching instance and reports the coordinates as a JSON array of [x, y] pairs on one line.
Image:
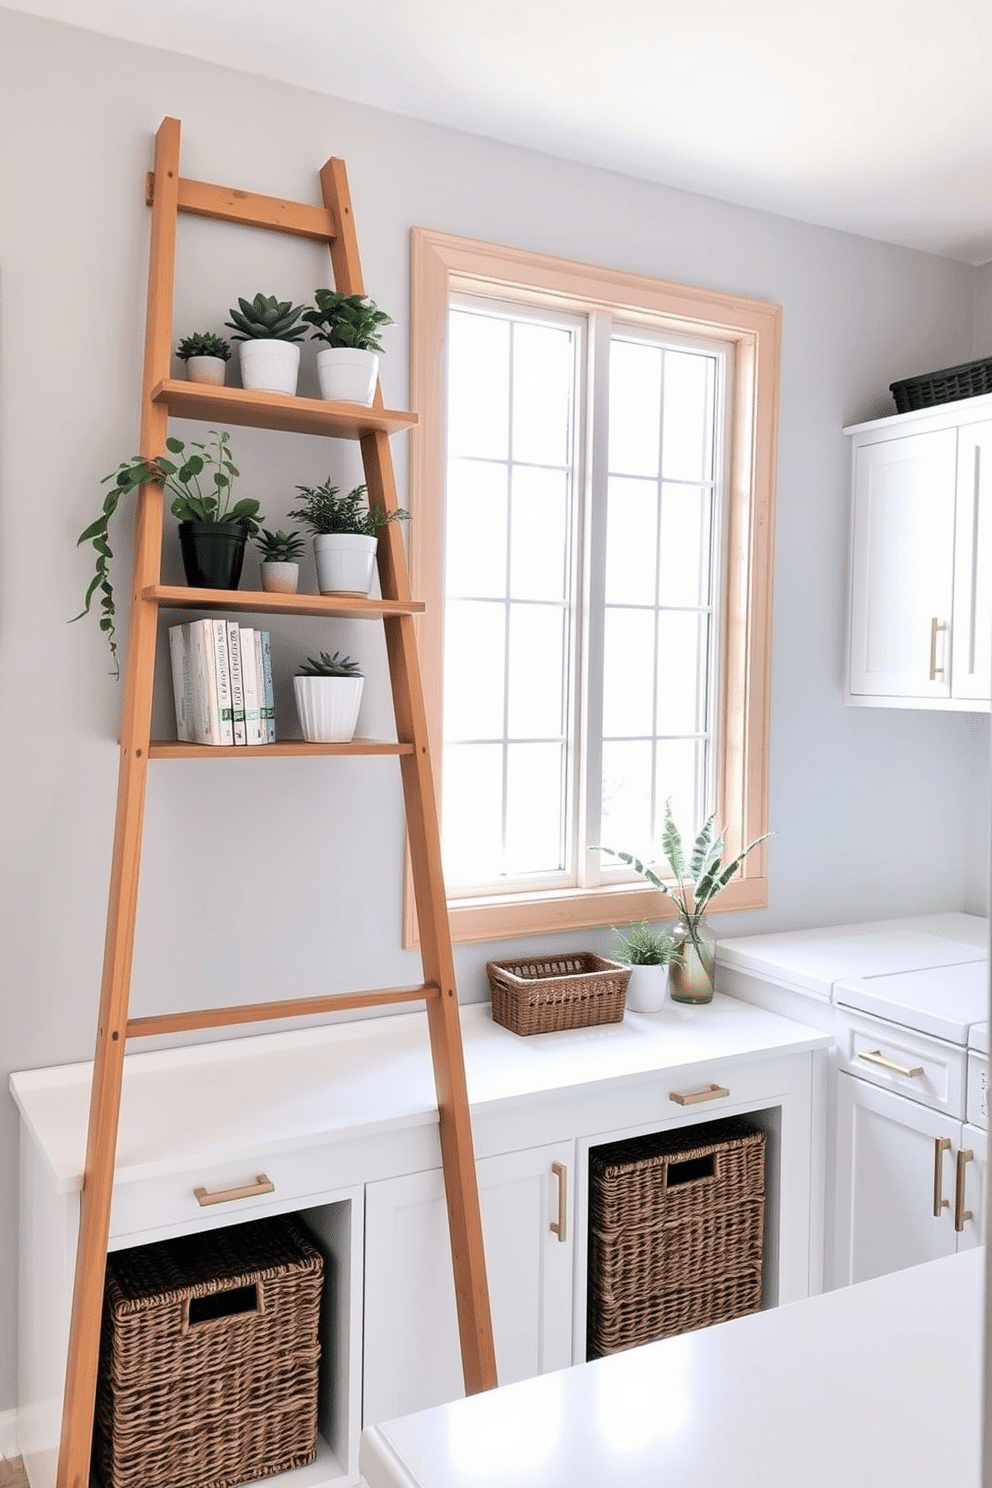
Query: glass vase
[[691, 976]]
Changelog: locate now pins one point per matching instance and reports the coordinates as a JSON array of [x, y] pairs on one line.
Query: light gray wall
[[260, 878]]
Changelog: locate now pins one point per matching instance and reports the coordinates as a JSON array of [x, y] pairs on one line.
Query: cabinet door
[[902, 566], [971, 1198], [971, 670], [889, 1173], [411, 1354]]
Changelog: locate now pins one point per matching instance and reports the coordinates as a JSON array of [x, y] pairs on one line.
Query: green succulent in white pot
[[328, 692], [269, 332], [698, 875], [649, 953]]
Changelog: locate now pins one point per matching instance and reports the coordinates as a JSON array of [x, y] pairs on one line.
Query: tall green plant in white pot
[[349, 326], [649, 954], [699, 877], [345, 536]]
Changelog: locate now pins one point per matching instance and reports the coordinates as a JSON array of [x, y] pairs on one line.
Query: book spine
[[221, 707], [206, 723], [182, 683], [254, 727], [264, 643], [233, 649]]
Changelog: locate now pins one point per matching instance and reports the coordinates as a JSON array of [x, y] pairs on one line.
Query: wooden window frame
[[442, 264]]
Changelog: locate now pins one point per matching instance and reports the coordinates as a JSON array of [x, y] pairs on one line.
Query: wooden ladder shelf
[[333, 223]]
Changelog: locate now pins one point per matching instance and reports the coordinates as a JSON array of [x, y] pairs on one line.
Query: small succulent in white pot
[[269, 331], [649, 953], [328, 695], [206, 357], [280, 567]]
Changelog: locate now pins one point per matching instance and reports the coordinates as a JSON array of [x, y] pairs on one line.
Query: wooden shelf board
[[340, 606], [229, 405], [281, 749]]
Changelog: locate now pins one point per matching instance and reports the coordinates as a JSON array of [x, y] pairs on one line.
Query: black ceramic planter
[[213, 553]]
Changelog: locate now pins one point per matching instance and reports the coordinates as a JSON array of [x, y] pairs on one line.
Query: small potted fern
[[280, 566], [348, 365], [345, 538], [205, 356], [269, 331], [649, 953], [328, 695]]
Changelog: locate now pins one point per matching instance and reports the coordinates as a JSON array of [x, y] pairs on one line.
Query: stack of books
[[222, 680]]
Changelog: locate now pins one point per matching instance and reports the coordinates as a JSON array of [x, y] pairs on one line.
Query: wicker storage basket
[[208, 1358], [967, 381], [549, 993], [676, 1223]]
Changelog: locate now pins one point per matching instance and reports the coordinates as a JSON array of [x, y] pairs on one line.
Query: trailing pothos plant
[[194, 500], [699, 876]]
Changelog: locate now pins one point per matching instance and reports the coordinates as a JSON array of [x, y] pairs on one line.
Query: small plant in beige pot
[[280, 567], [205, 356], [328, 695]]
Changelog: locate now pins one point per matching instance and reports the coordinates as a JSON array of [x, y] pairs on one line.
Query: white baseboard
[[9, 1441]]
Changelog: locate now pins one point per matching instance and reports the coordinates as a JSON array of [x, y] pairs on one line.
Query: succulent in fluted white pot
[[328, 695], [269, 331]]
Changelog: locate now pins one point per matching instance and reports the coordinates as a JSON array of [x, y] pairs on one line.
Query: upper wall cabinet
[[920, 631]]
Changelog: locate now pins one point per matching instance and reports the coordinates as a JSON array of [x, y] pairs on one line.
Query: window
[[591, 491]]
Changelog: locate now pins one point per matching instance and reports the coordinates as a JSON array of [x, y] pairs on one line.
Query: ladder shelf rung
[[232, 405], [249, 209], [330, 606], [282, 749], [267, 1012]]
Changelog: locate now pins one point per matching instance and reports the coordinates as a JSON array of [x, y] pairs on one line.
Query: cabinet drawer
[[925, 1069], [978, 1090], [148, 1208]]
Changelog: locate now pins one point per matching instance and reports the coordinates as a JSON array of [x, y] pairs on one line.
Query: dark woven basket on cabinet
[[676, 1225], [969, 380], [208, 1358]]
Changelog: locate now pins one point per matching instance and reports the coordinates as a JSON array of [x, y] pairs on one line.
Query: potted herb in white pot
[[348, 366], [649, 953], [345, 533], [206, 357], [269, 331], [328, 695], [280, 566]]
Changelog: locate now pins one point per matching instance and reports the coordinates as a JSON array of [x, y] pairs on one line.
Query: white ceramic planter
[[647, 989], [345, 562], [346, 375], [280, 578], [270, 366], [328, 707], [206, 369]]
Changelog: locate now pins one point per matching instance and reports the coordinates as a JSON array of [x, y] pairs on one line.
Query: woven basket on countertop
[[549, 993], [969, 380], [208, 1358], [676, 1225]]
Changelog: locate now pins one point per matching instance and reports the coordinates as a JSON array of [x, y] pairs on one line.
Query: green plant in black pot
[[201, 503]]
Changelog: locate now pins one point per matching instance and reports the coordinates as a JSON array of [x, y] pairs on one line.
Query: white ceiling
[[874, 116]]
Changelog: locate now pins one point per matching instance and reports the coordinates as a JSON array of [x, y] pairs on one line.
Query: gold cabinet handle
[[693, 1097], [262, 1185], [875, 1056], [935, 627], [940, 1146], [961, 1214], [559, 1226]]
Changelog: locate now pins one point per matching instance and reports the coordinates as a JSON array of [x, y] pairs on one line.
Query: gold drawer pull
[[693, 1097], [875, 1056], [940, 1146], [961, 1214], [559, 1226], [262, 1185]]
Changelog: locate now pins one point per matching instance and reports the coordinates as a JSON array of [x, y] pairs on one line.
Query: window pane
[[631, 544], [475, 529], [635, 408], [626, 824], [628, 672], [543, 378], [474, 648], [534, 808], [680, 765], [681, 672], [478, 386], [537, 662], [685, 545], [539, 534], [687, 437], [472, 812]]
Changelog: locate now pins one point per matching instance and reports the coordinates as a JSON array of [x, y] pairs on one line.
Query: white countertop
[[279, 1091], [877, 1384], [943, 1001]]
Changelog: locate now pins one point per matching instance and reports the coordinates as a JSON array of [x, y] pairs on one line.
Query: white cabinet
[[921, 559], [411, 1349], [904, 1183]]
